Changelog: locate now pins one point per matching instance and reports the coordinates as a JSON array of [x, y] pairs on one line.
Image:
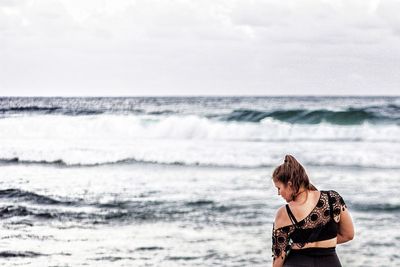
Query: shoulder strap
[[291, 216], [330, 204]]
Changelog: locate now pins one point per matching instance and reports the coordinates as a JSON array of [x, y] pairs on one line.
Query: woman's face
[[285, 191]]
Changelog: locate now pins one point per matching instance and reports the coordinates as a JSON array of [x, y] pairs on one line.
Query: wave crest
[[376, 207], [21, 195], [350, 116]]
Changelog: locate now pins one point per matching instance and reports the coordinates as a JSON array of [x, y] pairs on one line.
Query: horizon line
[[187, 96]]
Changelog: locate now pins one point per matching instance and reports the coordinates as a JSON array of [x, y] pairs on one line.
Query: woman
[[308, 228]]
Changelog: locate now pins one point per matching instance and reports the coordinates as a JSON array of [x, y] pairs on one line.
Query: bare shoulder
[[281, 217]]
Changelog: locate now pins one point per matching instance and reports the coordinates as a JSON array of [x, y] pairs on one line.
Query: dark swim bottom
[[312, 257]]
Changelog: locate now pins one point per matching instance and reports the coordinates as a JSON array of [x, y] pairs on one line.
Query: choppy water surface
[[186, 181]]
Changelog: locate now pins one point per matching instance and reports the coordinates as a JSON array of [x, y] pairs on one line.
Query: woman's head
[[292, 176]]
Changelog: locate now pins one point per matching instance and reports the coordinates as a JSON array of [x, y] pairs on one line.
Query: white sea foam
[[192, 140], [185, 127]]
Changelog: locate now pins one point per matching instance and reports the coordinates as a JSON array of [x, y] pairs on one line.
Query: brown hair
[[292, 171]]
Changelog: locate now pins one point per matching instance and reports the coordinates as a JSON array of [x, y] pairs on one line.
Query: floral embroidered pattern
[[319, 216], [338, 205], [281, 240]]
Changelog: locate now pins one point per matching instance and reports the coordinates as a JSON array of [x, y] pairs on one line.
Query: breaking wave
[[350, 116]]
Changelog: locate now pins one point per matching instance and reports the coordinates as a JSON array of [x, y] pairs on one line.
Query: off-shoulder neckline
[[316, 205]]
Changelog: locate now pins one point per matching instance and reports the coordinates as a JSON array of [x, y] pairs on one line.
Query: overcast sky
[[199, 47]]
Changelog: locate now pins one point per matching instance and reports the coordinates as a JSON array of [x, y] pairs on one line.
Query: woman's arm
[[278, 262], [280, 239], [346, 227]]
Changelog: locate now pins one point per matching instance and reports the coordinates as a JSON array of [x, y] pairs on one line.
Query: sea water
[[186, 181]]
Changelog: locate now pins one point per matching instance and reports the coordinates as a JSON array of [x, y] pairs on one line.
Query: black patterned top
[[320, 224]]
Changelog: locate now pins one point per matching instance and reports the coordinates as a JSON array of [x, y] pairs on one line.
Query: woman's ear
[[290, 183]]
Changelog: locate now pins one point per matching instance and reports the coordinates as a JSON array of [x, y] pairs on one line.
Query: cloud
[[309, 21], [388, 11], [312, 22], [32, 21], [210, 46]]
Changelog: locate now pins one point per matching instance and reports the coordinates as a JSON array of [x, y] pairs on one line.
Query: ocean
[[186, 181]]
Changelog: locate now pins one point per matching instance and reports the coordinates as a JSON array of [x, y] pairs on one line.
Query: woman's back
[[307, 229], [301, 207], [310, 221]]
